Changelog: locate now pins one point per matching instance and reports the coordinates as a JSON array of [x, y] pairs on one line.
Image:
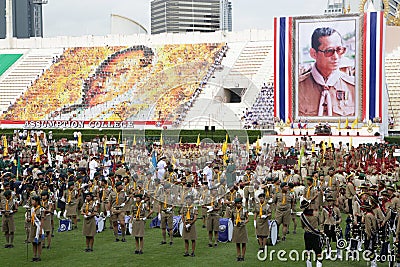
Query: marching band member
[[7, 208], [284, 204], [240, 218], [71, 198], [117, 200], [36, 234], [166, 213], [310, 223], [213, 205], [140, 211], [262, 213], [371, 229], [330, 219], [48, 209], [189, 216], [89, 210]]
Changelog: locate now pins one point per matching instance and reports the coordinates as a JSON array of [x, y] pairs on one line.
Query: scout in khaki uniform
[[284, 204], [36, 233], [117, 200], [240, 218], [140, 212], [8, 207], [71, 197], [213, 206], [330, 219], [310, 223], [262, 213], [89, 210], [371, 229], [247, 181], [166, 211], [189, 216], [48, 209], [332, 183]]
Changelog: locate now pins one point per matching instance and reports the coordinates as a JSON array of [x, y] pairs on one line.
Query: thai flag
[[373, 64], [283, 61]]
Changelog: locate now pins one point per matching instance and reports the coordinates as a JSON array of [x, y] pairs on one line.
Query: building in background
[[174, 16], [25, 15]]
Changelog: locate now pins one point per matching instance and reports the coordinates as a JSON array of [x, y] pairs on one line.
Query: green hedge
[[393, 139], [186, 136]]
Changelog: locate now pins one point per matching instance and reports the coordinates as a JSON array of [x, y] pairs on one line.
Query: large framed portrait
[[327, 75]]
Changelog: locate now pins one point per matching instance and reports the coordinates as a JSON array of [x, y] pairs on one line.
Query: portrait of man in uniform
[[326, 85]]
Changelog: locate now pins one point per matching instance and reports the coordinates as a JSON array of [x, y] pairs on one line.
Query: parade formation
[[219, 186]]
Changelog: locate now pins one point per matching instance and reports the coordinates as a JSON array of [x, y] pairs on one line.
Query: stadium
[[203, 119]]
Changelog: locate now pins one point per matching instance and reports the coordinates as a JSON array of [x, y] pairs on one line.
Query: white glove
[[122, 205], [210, 209], [270, 201], [108, 213], [65, 214], [255, 224], [263, 216], [159, 216], [144, 218], [11, 212], [187, 226], [101, 214], [62, 199], [85, 216], [169, 209], [89, 213], [222, 200]]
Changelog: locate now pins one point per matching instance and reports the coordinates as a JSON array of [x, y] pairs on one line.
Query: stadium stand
[[30, 65], [392, 70], [260, 115], [174, 78], [60, 85]]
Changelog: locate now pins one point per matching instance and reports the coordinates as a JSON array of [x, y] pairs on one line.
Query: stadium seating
[[260, 115], [60, 85], [392, 70], [173, 80], [24, 72]]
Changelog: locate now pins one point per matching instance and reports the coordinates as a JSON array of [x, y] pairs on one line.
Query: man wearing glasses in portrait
[[325, 90]]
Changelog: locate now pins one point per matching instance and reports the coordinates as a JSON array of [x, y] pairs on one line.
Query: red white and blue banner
[[373, 59], [283, 62]]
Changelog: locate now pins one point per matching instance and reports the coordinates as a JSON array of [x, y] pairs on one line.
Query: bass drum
[[273, 233], [225, 230]]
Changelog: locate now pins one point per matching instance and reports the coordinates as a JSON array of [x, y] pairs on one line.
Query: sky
[[92, 17]]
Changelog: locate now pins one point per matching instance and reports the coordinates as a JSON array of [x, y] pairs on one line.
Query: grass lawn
[[68, 250]]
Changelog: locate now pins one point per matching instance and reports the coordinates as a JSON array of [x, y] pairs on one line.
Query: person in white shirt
[[93, 165], [208, 172], [161, 165]]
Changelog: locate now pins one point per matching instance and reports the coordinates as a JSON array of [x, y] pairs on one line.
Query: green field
[[68, 250]]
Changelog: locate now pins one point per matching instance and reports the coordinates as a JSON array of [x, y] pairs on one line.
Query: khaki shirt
[[342, 94]]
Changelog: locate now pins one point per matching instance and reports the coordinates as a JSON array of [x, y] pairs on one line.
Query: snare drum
[[273, 233]]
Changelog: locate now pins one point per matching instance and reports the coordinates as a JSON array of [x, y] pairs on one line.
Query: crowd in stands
[[261, 114], [173, 81], [117, 75], [60, 85], [184, 108]]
